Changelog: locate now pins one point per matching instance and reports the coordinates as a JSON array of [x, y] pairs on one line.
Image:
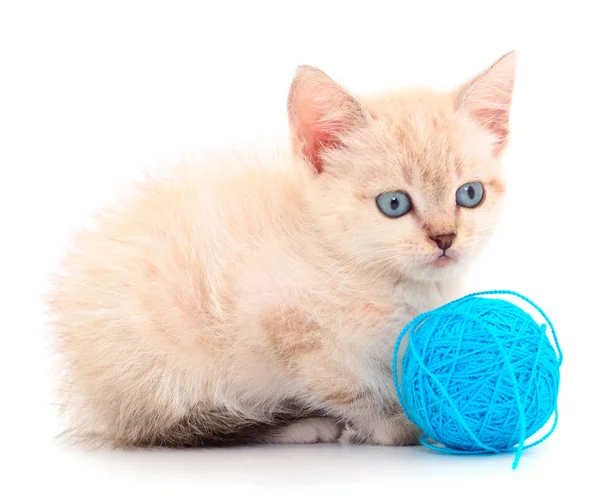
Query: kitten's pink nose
[[443, 241]]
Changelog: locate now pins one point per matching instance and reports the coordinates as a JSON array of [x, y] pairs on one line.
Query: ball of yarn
[[479, 375]]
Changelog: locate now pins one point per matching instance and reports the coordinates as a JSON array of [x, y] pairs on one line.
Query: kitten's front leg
[[306, 431], [375, 421], [385, 431]]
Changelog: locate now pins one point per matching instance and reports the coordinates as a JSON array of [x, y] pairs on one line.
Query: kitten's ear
[[487, 98], [320, 113]]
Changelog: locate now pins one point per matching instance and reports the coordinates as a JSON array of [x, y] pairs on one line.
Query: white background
[[92, 93]]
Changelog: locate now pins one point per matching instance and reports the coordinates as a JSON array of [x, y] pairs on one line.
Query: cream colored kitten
[[258, 299]]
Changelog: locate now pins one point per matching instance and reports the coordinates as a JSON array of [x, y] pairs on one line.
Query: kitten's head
[[408, 182]]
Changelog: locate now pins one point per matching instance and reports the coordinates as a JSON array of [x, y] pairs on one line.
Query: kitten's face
[[422, 157], [413, 184]]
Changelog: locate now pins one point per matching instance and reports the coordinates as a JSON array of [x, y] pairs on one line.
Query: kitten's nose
[[444, 241]]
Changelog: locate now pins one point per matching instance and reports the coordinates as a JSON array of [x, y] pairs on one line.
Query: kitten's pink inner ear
[[312, 133], [320, 113], [488, 96]]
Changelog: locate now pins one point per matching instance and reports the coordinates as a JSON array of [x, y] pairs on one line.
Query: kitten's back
[[143, 306]]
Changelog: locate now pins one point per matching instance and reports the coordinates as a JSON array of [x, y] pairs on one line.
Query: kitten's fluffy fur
[[258, 299]]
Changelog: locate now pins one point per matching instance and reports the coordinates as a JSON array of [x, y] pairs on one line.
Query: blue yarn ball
[[479, 375]]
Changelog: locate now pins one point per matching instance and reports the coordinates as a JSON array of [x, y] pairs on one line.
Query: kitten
[[255, 299]]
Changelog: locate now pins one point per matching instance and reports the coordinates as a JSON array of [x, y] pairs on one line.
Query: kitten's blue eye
[[394, 204], [470, 195]]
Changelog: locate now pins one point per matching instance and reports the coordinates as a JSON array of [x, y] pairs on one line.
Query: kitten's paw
[[396, 433], [310, 430], [392, 432]]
